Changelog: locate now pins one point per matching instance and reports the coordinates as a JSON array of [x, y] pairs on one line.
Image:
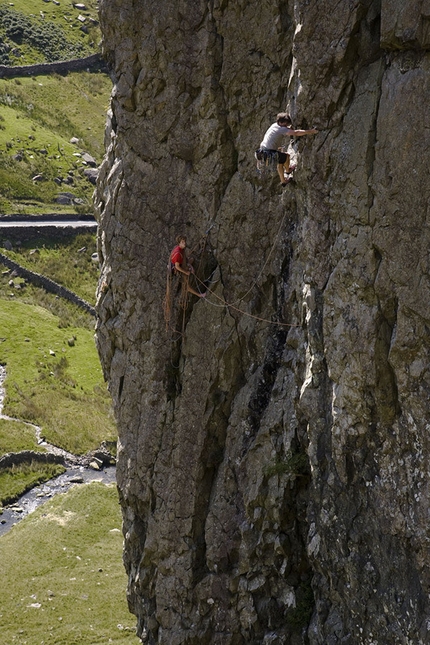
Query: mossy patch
[[296, 464], [300, 616]]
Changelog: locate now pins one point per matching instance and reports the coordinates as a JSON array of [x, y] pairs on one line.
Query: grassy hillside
[[16, 436], [54, 378], [62, 574], [63, 393], [66, 261], [38, 118], [32, 31], [62, 571], [40, 115]]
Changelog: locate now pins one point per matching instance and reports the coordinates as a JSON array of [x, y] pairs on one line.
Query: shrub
[[43, 35], [4, 53]]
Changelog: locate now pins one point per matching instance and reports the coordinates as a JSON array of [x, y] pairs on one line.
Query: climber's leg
[[196, 293], [280, 169], [283, 166]]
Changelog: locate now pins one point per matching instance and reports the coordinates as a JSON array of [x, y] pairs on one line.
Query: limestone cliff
[[273, 457]]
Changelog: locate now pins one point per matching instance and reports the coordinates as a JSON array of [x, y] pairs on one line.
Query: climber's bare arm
[[181, 269], [301, 133]]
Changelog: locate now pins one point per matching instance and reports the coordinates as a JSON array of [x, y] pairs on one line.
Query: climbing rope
[[167, 303], [241, 311], [168, 300], [184, 296], [266, 262]]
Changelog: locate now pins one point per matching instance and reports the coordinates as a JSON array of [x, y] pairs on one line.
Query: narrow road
[[56, 223], [36, 221]]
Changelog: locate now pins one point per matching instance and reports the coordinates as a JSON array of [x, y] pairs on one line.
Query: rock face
[[273, 463]]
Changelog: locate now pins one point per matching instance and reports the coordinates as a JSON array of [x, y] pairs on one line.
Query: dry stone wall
[[47, 284], [27, 456], [93, 62], [273, 459]]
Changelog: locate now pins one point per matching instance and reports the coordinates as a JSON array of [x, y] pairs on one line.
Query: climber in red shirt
[[179, 265]]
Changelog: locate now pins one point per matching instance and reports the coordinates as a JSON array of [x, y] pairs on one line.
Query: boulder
[[91, 174], [89, 159], [65, 198], [76, 479]]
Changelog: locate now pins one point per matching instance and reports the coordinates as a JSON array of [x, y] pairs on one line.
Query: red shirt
[[177, 255]]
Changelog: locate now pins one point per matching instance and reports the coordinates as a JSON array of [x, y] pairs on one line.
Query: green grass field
[[63, 582], [50, 383], [67, 262], [38, 118], [62, 573], [40, 115], [16, 436], [64, 394], [17, 480]]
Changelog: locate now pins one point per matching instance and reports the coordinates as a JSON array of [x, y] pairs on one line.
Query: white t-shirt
[[274, 137]]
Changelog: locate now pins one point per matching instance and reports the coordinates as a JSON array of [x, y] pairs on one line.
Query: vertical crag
[[273, 459]]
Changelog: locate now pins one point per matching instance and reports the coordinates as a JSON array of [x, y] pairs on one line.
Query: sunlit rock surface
[[274, 454]]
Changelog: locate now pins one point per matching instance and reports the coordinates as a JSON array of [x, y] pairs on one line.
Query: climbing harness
[[267, 160]]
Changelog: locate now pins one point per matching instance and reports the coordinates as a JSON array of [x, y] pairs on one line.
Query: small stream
[[76, 473]]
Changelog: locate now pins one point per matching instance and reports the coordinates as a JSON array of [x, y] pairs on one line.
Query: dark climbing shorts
[[264, 154]]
